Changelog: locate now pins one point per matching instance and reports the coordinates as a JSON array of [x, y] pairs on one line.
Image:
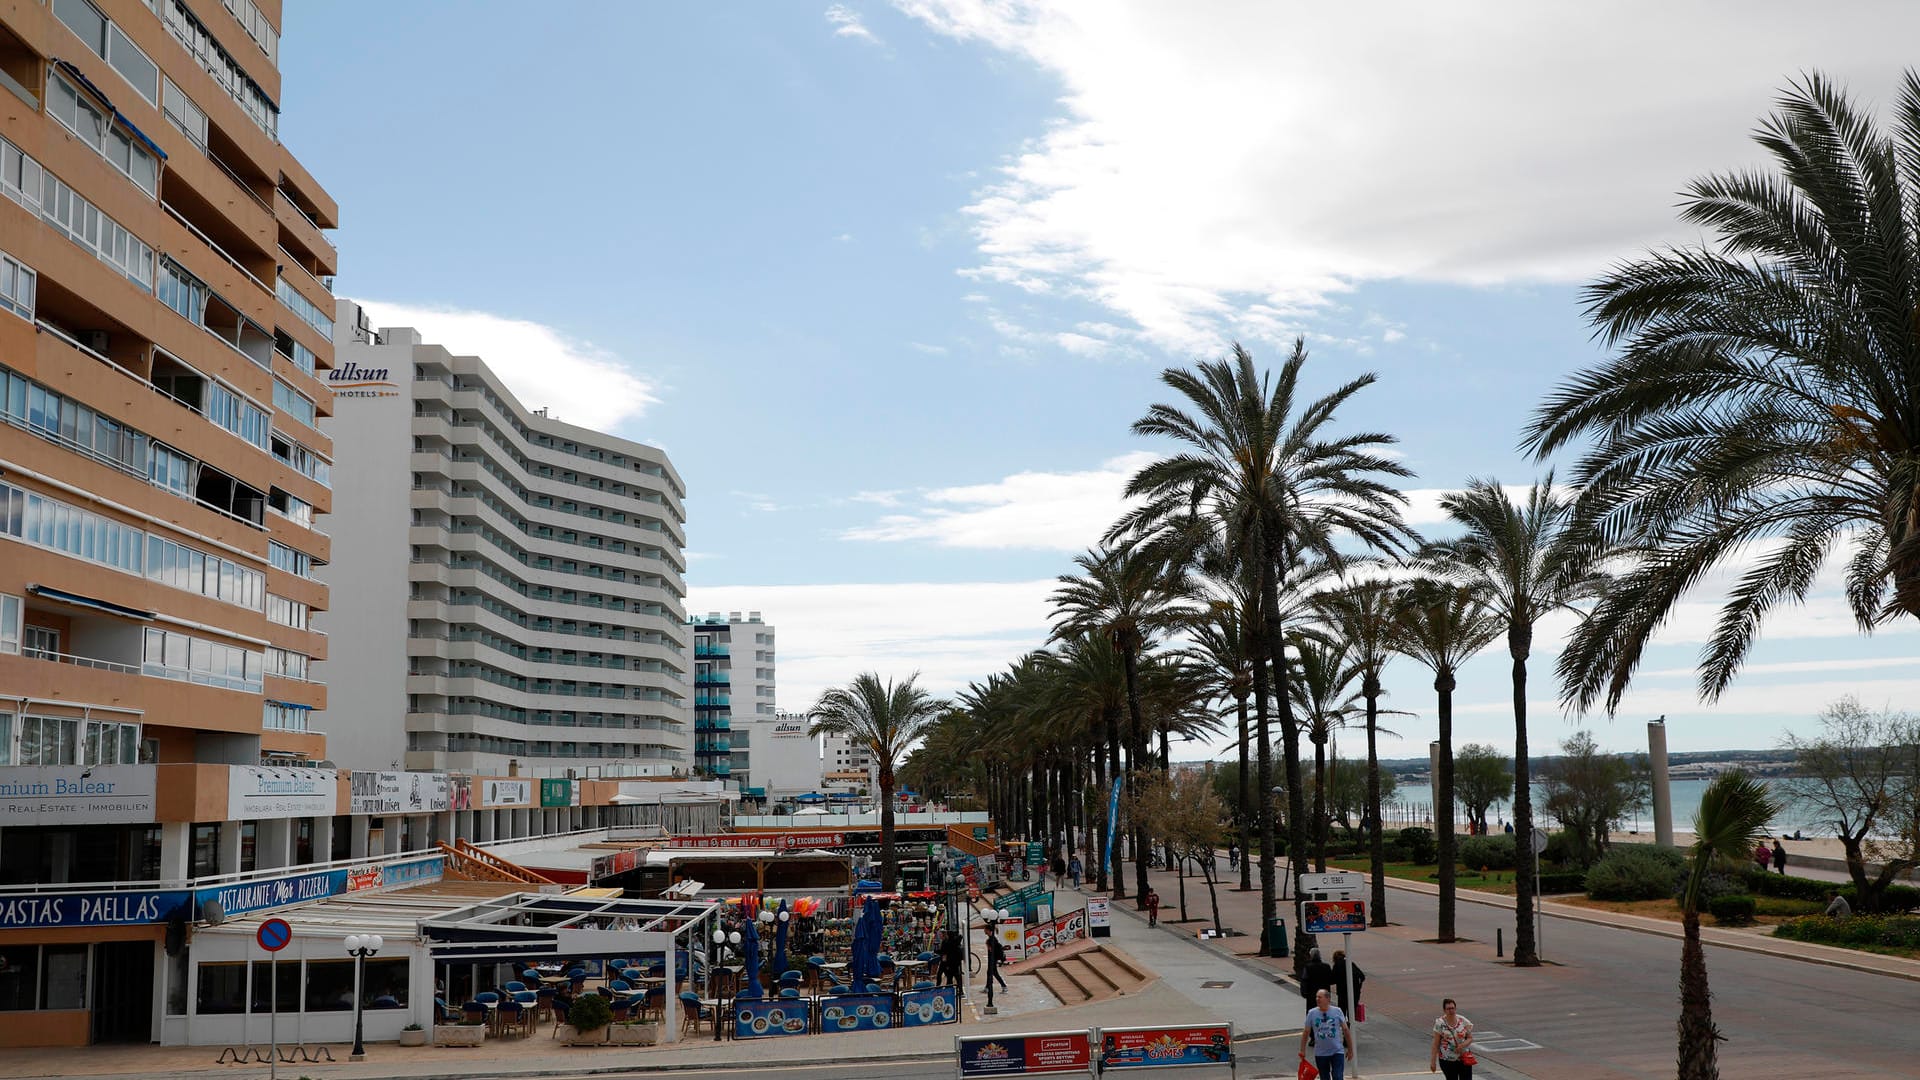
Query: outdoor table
[[720, 1008]]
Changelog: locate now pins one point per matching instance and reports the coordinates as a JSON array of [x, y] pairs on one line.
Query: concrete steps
[[1093, 975]]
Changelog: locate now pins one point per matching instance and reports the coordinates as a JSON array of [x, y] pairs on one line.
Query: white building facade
[[510, 587]]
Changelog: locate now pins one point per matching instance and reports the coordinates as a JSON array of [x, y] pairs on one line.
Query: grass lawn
[[1498, 881], [1768, 910]]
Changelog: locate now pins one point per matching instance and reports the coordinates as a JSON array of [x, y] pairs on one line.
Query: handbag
[[1467, 1058], [1308, 1071], [1360, 1012]]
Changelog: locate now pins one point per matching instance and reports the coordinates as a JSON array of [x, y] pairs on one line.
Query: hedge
[[1419, 844], [1879, 931], [1636, 872], [1895, 898], [1564, 881], [1731, 910], [1493, 852]]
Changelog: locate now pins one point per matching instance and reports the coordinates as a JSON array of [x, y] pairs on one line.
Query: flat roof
[[389, 914]]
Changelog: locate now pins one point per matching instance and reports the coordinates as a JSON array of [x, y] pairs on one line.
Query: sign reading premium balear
[[400, 793], [76, 795], [264, 791], [506, 793]]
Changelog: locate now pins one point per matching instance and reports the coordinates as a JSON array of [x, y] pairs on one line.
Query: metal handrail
[[217, 250], [237, 182], [78, 660]]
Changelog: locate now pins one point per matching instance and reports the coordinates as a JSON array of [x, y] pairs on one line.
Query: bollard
[[1499, 942]]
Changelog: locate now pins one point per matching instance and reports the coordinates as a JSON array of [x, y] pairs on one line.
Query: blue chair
[[577, 980], [543, 1001], [923, 985], [448, 1014], [474, 1012], [621, 986], [751, 993], [559, 1015], [695, 1012], [874, 988], [526, 997], [515, 986], [929, 957], [512, 1015], [654, 1001], [790, 993], [489, 997], [530, 976]]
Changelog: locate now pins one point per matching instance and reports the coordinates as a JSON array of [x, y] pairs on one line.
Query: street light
[[360, 946]]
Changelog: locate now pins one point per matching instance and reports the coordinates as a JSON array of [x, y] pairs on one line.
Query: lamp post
[[360, 946]]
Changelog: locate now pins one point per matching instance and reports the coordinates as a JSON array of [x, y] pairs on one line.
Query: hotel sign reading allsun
[[350, 380]]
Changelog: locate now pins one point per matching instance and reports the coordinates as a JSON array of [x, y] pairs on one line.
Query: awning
[[61, 596]]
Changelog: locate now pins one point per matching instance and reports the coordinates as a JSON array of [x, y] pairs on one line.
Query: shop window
[[63, 977], [329, 985], [384, 984], [206, 850], [19, 978], [289, 993], [223, 989], [176, 982]]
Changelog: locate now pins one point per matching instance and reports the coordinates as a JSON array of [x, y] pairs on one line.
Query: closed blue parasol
[[780, 938], [870, 943], [750, 941]]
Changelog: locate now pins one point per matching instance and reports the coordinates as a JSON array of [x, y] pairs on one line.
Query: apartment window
[[110, 44], [303, 307], [20, 176], [17, 282], [182, 292], [209, 575], [171, 655], [238, 415], [285, 664], [119, 146], [291, 507], [293, 403], [40, 643], [180, 109], [27, 404], [47, 740], [84, 224], [257, 26], [284, 716], [172, 470], [288, 612], [302, 357], [188, 30], [49, 523], [111, 743], [304, 461], [285, 558], [11, 610]]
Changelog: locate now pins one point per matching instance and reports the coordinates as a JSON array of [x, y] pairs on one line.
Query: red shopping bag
[[1307, 1069], [1360, 1012]]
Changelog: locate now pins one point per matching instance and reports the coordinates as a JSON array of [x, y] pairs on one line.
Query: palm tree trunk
[[889, 861], [1289, 730], [1113, 751], [1263, 794], [1377, 843], [1213, 892], [1246, 805], [1698, 1052], [1525, 950], [1137, 737], [1101, 787], [1166, 770], [1443, 791], [1319, 806]]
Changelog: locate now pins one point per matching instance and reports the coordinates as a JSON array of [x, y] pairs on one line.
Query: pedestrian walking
[[1074, 868], [1317, 976], [1452, 1051], [996, 955], [1340, 966], [1153, 908], [951, 959], [1233, 856], [1762, 855], [1330, 1037], [1779, 857], [1059, 871]]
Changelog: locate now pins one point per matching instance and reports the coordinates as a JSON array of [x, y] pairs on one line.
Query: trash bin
[[1276, 939]]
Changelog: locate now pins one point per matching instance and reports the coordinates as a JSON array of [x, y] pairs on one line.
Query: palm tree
[[1322, 673], [887, 718], [1762, 401], [1363, 616], [1126, 595], [1526, 561], [1442, 626], [1734, 812], [1222, 647], [1257, 458]]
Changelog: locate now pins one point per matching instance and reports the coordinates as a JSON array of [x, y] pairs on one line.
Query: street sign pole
[[274, 935], [1346, 946], [1539, 838]]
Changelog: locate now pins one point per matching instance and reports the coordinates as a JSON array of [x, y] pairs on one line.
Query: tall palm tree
[[1762, 401], [1526, 560], [1084, 677], [1733, 815], [1257, 457], [1442, 626], [1127, 595], [1363, 616], [1221, 644], [887, 718], [1322, 673]]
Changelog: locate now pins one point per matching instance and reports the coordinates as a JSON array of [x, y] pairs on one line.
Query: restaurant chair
[[790, 993], [448, 1014], [530, 976], [929, 957], [923, 984], [515, 986], [513, 1016], [694, 1012], [559, 1016], [474, 1012], [622, 1011], [543, 1001], [488, 997], [621, 985]]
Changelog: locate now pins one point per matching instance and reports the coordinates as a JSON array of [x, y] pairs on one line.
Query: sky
[[890, 281]]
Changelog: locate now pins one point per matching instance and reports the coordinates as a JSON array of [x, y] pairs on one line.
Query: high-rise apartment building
[[507, 588], [165, 333], [733, 681]]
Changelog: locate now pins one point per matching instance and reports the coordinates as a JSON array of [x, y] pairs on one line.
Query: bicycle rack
[[301, 1054], [240, 1055]]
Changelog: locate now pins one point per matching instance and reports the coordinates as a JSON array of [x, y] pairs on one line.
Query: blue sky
[[890, 281]]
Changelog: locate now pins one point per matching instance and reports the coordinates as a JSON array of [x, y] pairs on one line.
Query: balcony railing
[[80, 661]]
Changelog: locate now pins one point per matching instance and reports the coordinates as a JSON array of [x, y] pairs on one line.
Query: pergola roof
[[530, 926]]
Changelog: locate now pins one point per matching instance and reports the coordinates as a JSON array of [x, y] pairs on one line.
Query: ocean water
[[1414, 805]]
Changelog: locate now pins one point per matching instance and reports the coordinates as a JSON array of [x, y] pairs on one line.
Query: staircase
[[1093, 975], [465, 862]]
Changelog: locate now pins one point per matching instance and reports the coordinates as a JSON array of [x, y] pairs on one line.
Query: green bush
[[1870, 931], [1896, 898], [1420, 846], [1636, 872], [1785, 907], [1559, 850], [589, 1012], [1562, 881], [1736, 910], [1492, 852]]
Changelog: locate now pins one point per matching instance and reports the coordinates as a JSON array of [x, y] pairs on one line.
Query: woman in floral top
[[1452, 1042]]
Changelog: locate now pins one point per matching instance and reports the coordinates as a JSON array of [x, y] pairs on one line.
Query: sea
[[1413, 805]]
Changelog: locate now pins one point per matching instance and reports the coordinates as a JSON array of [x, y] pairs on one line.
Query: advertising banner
[[257, 791], [1026, 1054], [785, 841], [606, 866], [506, 793], [556, 792], [769, 1018], [1099, 917], [940, 1005], [1013, 938], [61, 795], [460, 792], [1333, 916], [133, 907], [1161, 1047], [90, 909], [1050, 935], [856, 1012], [399, 793], [1036, 853]]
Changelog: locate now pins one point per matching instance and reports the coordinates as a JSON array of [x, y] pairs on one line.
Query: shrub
[[1559, 851], [1419, 844], [1736, 910], [1636, 872], [1871, 931], [1563, 881], [589, 1012], [1785, 907], [1492, 852], [1895, 898]]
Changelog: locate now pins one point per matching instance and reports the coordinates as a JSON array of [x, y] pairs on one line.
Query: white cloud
[[1228, 174], [951, 633], [1040, 510], [930, 350], [846, 23], [579, 382]]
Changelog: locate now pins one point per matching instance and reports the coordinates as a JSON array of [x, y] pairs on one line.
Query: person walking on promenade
[[1762, 855], [1331, 1037], [1317, 976], [1074, 868], [1779, 857], [1059, 871], [951, 959], [1153, 908], [1233, 856], [996, 955], [1452, 1051], [1340, 966]]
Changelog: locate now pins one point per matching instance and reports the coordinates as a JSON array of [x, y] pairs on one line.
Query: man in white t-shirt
[[1330, 1036]]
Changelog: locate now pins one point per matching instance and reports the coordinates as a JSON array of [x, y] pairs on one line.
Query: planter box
[[416, 1037], [567, 1034], [454, 1034], [633, 1034]]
